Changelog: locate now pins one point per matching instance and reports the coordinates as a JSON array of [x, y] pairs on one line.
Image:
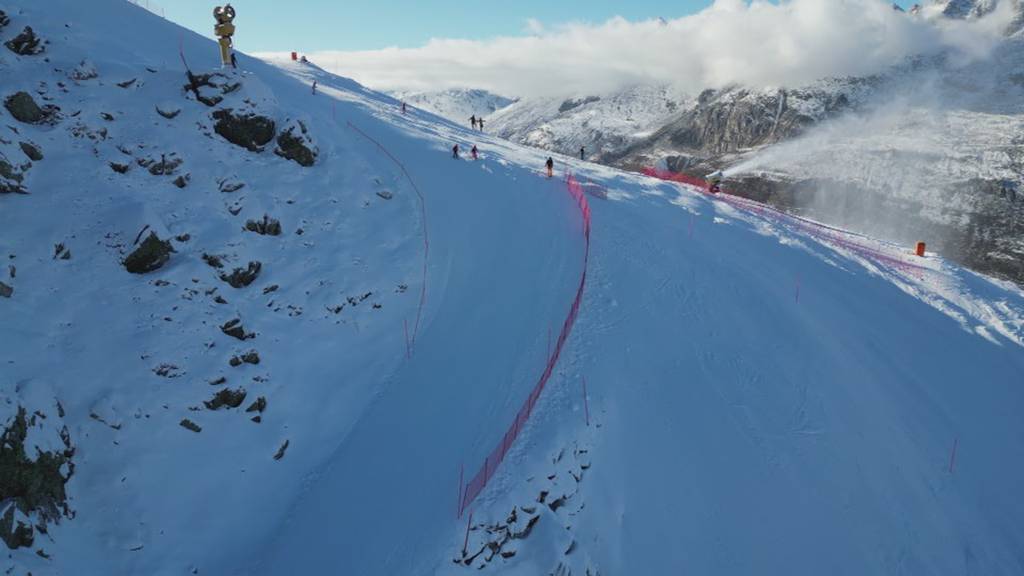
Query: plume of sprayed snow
[[757, 44]]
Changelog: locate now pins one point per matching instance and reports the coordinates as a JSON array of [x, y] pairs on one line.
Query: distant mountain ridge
[[456, 104]]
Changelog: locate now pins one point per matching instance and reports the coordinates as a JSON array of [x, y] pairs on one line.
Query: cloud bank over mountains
[[758, 44]]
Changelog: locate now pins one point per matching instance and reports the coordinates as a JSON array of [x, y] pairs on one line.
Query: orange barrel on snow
[[920, 249]]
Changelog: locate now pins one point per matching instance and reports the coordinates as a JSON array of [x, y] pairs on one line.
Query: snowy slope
[[457, 105], [760, 398]]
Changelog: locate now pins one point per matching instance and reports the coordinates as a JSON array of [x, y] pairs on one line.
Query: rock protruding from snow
[[235, 329], [31, 150], [26, 43], [151, 255], [168, 112], [226, 398], [295, 143], [266, 227], [210, 89], [11, 177], [23, 108], [85, 70], [35, 461], [242, 277], [246, 129]]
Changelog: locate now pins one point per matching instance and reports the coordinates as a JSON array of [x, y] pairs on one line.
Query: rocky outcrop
[[246, 129], [31, 150], [26, 43], [4, 20], [242, 277], [226, 398], [573, 103], [31, 484], [24, 109], [151, 255], [266, 227], [210, 89], [295, 143], [11, 178], [85, 70], [165, 165], [235, 329], [727, 121]]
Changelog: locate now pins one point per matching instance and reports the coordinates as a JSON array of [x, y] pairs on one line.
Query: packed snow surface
[[738, 395]]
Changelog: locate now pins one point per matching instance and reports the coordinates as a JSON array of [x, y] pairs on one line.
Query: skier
[[480, 121], [550, 164], [474, 152], [715, 182], [234, 61], [472, 120], [314, 87], [583, 153], [403, 107], [455, 151]]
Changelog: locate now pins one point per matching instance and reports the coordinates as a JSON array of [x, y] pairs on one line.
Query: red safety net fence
[[410, 339], [476, 485], [823, 232]]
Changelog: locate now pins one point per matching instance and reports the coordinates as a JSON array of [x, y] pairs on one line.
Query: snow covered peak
[[962, 9], [456, 104]]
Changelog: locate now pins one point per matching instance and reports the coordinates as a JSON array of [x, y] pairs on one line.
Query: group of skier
[[478, 123], [474, 152]]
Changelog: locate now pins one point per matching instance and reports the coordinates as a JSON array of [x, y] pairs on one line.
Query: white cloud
[[534, 26], [758, 43]]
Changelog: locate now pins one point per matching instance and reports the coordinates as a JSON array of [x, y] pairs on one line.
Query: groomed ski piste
[[734, 394]]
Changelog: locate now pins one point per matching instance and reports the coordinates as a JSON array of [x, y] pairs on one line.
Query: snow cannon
[[224, 30], [715, 181]]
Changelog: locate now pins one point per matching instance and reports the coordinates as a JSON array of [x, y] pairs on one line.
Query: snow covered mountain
[[457, 105], [246, 328], [963, 119], [600, 124]]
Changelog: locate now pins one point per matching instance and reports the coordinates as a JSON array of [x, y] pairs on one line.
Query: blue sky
[[315, 25]]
